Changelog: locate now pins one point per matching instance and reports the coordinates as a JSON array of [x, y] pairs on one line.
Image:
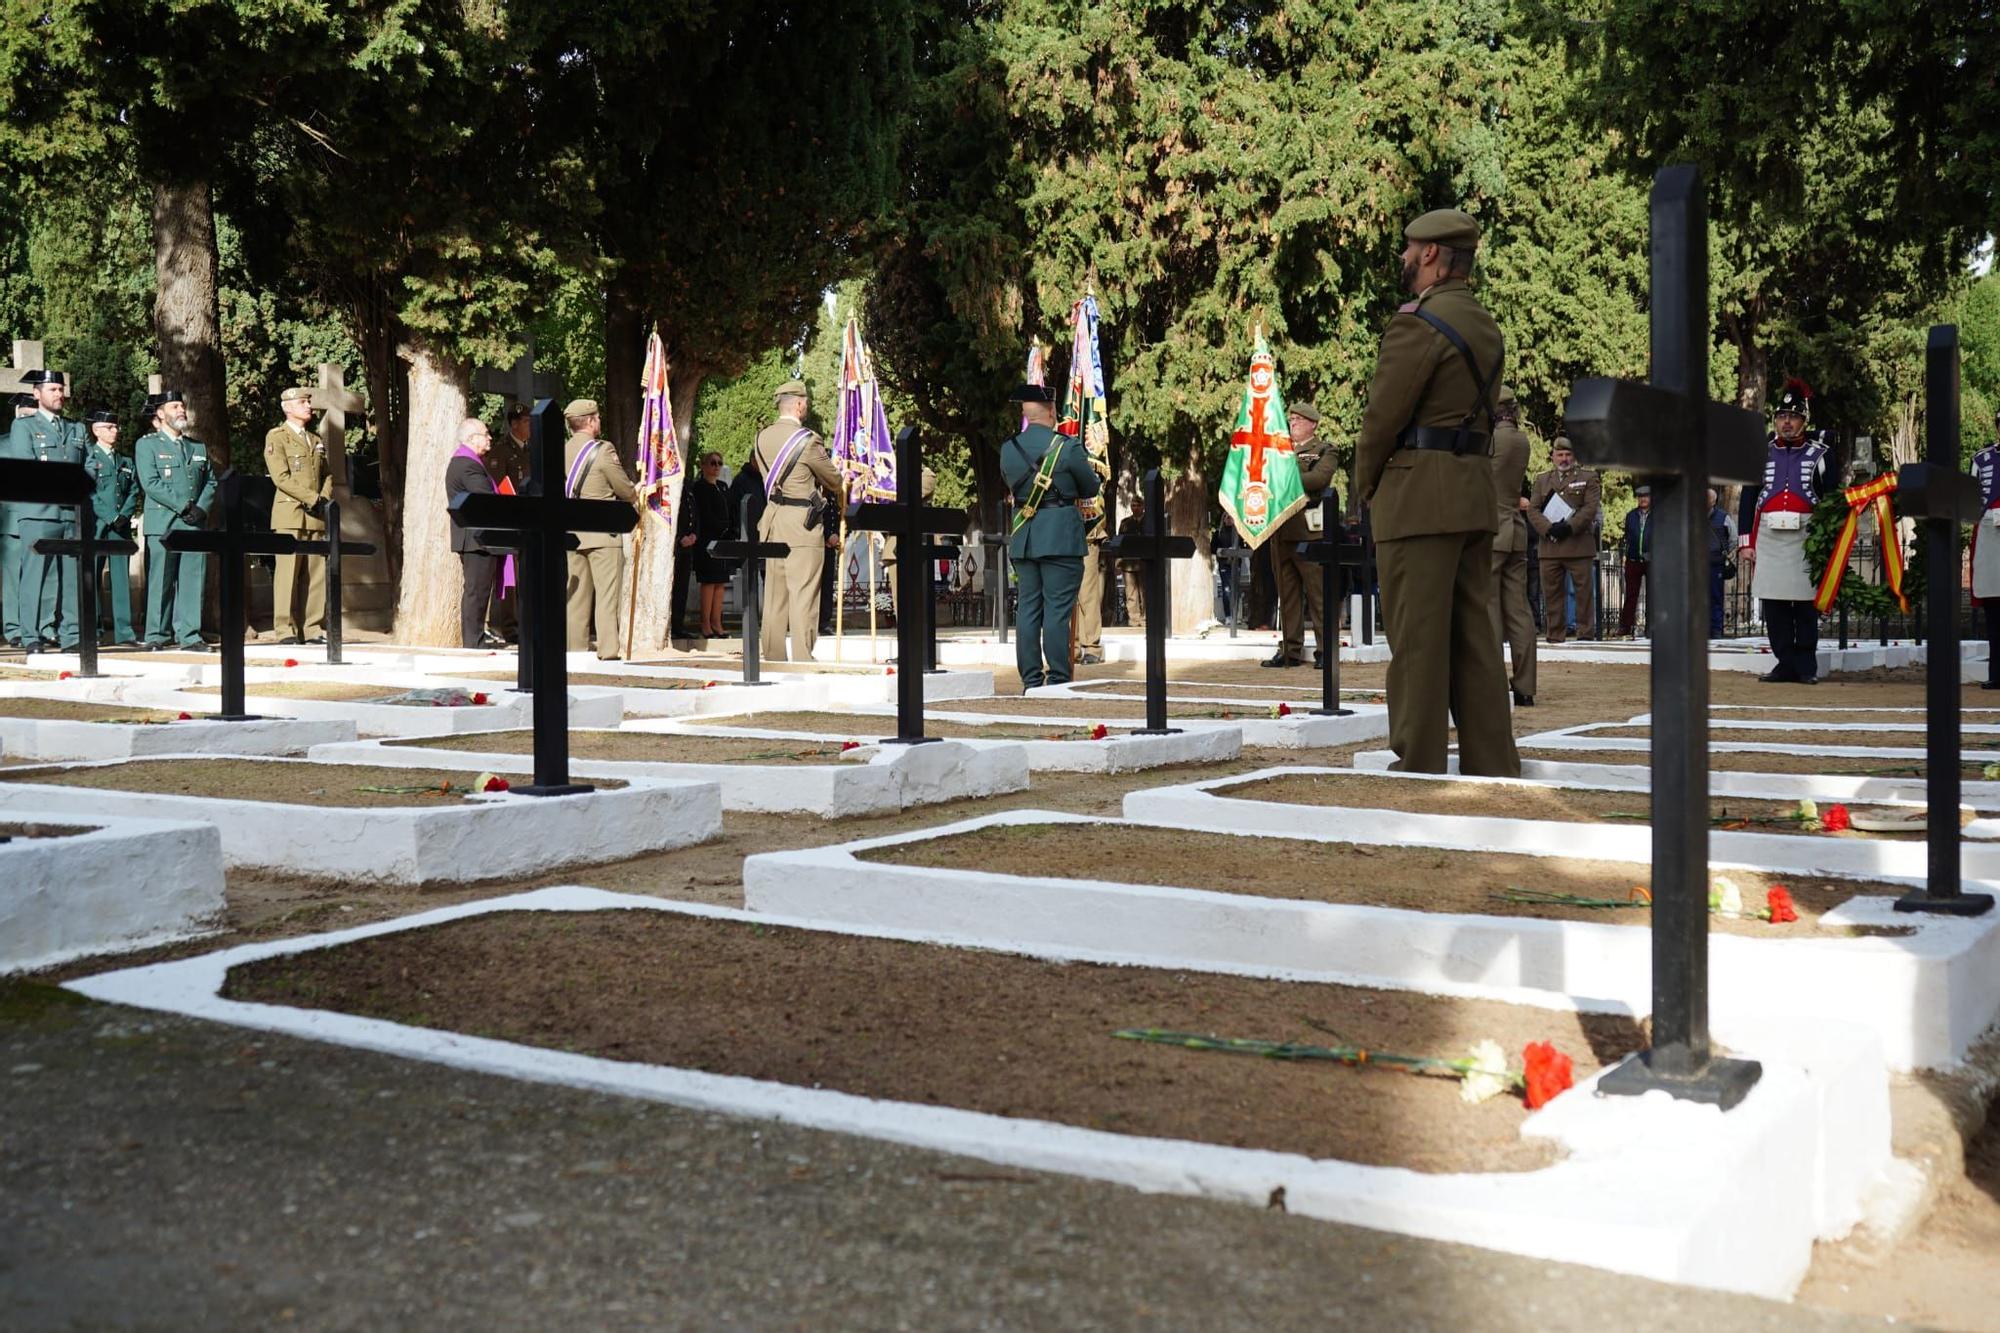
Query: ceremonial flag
[[1037, 373], [862, 447], [1084, 416], [1260, 478], [659, 450]]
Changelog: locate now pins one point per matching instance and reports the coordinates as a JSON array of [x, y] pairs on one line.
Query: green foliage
[[730, 412], [1857, 594]]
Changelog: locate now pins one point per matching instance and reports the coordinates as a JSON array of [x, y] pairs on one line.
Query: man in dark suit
[[466, 472]]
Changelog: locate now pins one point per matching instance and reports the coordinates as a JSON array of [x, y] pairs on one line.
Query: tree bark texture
[[1194, 579], [388, 418], [624, 363], [427, 603], [187, 310]]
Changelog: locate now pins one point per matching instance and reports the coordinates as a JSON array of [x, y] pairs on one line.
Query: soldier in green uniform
[[1056, 488], [1423, 467], [47, 587], [1299, 583], [296, 460], [10, 537], [179, 482], [114, 499]]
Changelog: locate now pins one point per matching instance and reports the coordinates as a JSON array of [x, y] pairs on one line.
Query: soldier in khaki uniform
[[1299, 584], [1568, 546], [1422, 467], [794, 465], [597, 567], [1513, 618], [1090, 594], [296, 459]]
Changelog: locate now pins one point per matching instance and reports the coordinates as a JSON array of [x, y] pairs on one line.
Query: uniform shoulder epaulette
[[1408, 307]]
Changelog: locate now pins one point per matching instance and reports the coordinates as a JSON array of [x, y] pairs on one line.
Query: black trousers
[[1992, 610], [481, 568], [1794, 630]]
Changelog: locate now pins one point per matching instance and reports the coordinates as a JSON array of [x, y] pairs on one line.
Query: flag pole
[[639, 540]]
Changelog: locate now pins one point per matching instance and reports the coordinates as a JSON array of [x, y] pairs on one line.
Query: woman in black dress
[[708, 506]]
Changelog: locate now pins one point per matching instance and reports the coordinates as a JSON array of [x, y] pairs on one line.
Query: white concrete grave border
[[1584, 737], [1926, 996], [1299, 731], [1118, 752], [503, 711], [54, 738], [114, 886], [1647, 1185], [1638, 777], [491, 836], [878, 778]]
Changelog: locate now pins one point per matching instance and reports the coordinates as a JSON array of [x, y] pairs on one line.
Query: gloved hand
[[194, 516], [318, 509], [1559, 530], [122, 526]]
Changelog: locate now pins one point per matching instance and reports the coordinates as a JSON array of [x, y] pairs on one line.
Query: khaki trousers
[[1135, 597], [596, 585], [1554, 617], [791, 586], [1513, 618], [285, 591], [1298, 589], [1090, 602], [1437, 598]]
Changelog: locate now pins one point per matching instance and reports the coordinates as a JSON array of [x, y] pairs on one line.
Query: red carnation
[[1779, 901], [478, 698], [889, 671], [495, 784], [291, 661], [845, 746], [710, 684], [186, 717], [1284, 710], [1099, 732], [62, 675], [1547, 1071], [1835, 819]]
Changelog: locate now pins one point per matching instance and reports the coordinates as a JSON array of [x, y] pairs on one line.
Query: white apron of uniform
[[1782, 573], [1986, 557]]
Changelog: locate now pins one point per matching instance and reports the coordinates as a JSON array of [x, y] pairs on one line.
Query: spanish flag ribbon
[[1875, 493]]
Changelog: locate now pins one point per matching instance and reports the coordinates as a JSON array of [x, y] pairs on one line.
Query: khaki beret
[[1506, 395], [792, 389], [1446, 226], [1305, 412], [1562, 442], [581, 407], [294, 395]]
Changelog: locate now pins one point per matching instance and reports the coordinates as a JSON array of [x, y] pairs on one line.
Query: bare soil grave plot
[[954, 1027], [13, 829], [650, 746], [343, 786], [1913, 738], [1191, 688], [1522, 801], [1131, 711], [610, 681], [1420, 879]]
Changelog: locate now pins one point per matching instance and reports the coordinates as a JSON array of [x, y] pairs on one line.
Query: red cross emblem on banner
[[1259, 436]]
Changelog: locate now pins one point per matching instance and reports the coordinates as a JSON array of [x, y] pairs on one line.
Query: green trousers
[[1437, 600], [116, 602], [10, 575], [174, 580], [48, 584], [1047, 595]]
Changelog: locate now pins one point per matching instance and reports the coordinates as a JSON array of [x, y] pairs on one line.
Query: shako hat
[[1796, 398]]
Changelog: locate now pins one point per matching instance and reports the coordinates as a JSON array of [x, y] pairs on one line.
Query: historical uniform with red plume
[[1774, 519]]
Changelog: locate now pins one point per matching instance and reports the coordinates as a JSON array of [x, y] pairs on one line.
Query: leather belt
[[1445, 439], [791, 502]]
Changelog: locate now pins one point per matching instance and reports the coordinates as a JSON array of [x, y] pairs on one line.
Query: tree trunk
[[1753, 371], [427, 604], [187, 312], [624, 363], [388, 417], [1194, 579], [649, 596]]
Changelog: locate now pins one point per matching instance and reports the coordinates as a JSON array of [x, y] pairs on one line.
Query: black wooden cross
[[235, 543], [1677, 440], [1334, 553], [1941, 497], [935, 549], [333, 548], [32, 482], [1157, 551], [541, 525], [912, 522], [750, 584]]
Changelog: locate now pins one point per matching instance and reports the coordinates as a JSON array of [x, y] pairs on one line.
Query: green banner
[[1260, 478]]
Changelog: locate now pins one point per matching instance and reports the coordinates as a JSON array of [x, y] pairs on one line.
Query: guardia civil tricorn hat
[[1796, 398], [39, 377], [1031, 393]]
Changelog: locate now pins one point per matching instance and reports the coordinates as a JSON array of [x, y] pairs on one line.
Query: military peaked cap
[[1562, 442], [791, 389], [293, 395], [581, 407], [1305, 412], [1643, 490], [1031, 393], [1445, 226]]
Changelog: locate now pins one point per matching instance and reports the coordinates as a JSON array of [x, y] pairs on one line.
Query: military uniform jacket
[[45, 439], [603, 479], [1318, 467], [1581, 491], [174, 473], [508, 458], [1056, 530], [115, 482], [1421, 380], [297, 463], [813, 471], [1510, 472]]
